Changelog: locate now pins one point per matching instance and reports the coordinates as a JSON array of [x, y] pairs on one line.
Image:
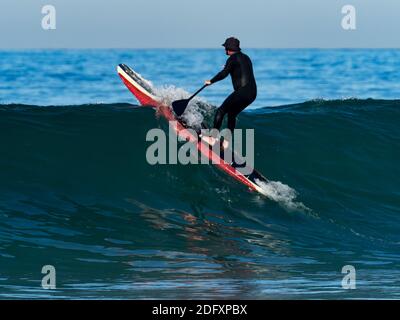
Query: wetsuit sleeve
[[223, 73]]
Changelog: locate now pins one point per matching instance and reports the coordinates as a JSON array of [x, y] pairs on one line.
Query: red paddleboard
[[144, 93]]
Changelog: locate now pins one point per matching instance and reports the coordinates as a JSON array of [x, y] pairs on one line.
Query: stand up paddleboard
[[144, 93]]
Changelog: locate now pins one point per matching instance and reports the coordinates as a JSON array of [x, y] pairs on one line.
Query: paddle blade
[[179, 106]]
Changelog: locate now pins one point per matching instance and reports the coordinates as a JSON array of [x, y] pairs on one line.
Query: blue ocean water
[[77, 193], [67, 77]]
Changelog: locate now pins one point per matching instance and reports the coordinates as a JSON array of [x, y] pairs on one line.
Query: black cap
[[232, 44]]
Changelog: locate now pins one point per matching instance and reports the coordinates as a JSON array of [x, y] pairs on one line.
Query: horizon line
[[198, 48]]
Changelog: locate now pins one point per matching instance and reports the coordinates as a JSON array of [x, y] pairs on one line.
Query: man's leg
[[233, 105], [240, 104], [234, 111], [232, 121], [219, 116], [223, 109]]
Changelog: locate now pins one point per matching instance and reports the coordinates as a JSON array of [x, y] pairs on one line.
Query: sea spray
[[195, 112], [284, 195]]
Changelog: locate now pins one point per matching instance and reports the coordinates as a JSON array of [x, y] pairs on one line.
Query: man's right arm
[[224, 72]]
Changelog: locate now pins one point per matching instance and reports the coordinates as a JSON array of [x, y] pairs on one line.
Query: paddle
[[179, 106]]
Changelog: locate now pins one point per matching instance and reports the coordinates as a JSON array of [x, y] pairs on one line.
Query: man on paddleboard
[[240, 68]]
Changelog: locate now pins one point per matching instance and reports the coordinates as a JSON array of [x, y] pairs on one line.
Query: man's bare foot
[[210, 140]]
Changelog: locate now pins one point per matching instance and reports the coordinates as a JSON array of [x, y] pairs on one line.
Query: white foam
[[169, 94], [284, 195], [194, 113]]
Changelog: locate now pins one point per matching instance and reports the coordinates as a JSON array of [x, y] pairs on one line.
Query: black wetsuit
[[240, 68]]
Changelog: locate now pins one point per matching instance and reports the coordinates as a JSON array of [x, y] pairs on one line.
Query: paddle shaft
[[197, 92]]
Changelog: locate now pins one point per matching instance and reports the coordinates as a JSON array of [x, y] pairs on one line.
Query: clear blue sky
[[200, 23]]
